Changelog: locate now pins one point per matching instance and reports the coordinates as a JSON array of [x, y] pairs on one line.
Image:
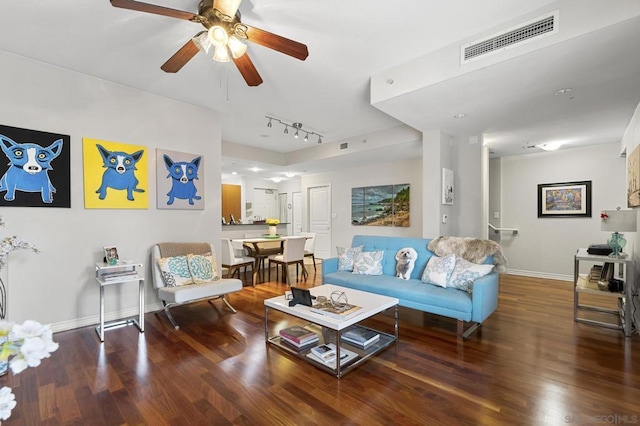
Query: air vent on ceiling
[[528, 31], [344, 145]]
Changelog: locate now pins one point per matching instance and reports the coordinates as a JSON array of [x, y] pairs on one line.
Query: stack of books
[[346, 356], [360, 337], [595, 273], [298, 337], [337, 311], [118, 275]]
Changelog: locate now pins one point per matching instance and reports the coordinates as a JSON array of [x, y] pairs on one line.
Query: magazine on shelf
[[300, 346], [346, 356], [338, 311], [298, 334], [360, 336], [324, 352]]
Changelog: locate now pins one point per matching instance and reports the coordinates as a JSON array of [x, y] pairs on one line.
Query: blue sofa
[[469, 309]]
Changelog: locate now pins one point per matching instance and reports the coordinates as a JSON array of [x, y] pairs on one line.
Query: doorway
[[320, 219]]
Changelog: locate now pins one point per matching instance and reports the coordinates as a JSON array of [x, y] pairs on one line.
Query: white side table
[[626, 270], [120, 273]]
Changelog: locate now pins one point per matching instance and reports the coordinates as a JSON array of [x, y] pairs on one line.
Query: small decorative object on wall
[[37, 173], [447, 186], [179, 186], [633, 178], [569, 199], [386, 205], [115, 175]]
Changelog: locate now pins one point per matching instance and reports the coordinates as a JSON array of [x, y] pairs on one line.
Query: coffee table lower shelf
[[327, 335]]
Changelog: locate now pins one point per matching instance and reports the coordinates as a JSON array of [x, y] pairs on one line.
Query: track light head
[[306, 137], [269, 123], [286, 129]]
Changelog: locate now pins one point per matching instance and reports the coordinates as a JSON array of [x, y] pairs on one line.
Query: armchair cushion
[[175, 271], [203, 268]]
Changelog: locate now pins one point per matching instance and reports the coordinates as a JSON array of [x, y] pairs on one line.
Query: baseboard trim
[[95, 319], [545, 275]]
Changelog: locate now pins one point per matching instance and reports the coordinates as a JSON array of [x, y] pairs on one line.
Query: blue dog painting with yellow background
[[27, 180], [119, 172]]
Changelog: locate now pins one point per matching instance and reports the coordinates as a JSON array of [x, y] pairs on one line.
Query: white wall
[[57, 286], [342, 181], [546, 246]]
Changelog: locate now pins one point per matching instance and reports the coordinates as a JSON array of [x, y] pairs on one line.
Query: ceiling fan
[[225, 34]]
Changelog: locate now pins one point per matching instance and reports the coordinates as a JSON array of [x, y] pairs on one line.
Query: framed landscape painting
[[568, 199]]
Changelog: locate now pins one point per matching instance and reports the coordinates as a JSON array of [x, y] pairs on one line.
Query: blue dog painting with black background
[[37, 172], [179, 180]]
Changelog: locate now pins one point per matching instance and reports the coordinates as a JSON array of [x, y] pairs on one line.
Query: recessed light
[[289, 174], [565, 91], [255, 169], [234, 173], [460, 116]]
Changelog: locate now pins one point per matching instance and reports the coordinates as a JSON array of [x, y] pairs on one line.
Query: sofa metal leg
[[464, 334], [226, 302], [170, 317]]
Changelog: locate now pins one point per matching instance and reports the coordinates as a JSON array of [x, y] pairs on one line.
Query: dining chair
[[234, 262], [292, 254], [309, 246]]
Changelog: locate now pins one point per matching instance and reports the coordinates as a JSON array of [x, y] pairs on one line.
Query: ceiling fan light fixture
[[221, 54], [218, 36], [202, 42], [237, 47]]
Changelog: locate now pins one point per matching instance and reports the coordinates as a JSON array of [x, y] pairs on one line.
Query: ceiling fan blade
[[152, 8], [276, 42], [228, 7], [248, 70], [180, 58]]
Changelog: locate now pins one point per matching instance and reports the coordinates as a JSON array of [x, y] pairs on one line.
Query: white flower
[[7, 402], [29, 328]]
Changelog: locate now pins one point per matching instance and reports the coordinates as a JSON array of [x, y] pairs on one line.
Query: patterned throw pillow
[[346, 257], [368, 263], [439, 270], [175, 271], [203, 268], [465, 273]]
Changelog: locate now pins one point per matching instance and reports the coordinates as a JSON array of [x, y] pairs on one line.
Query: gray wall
[[545, 246], [57, 286]]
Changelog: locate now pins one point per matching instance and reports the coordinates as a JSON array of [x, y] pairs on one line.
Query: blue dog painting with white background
[[30, 179], [181, 187]]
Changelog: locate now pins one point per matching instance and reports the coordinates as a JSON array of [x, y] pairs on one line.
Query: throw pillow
[[439, 270], [203, 268], [368, 263], [175, 271], [346, 257], [465, 273]]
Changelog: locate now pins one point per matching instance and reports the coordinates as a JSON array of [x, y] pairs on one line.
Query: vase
[[273, 230]]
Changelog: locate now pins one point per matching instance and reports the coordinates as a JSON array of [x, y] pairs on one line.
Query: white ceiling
[[349, 42]]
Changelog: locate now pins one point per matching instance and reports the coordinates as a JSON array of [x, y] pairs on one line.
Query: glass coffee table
[[330, 330]]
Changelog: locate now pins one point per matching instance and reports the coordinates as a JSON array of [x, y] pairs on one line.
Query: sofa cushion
[[465, 273], [439, 269], [368, 263], [203, 268], [346, 256], [175, 271], [188, 293]]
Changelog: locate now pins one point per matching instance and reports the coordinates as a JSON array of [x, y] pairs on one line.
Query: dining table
[[260, 248]]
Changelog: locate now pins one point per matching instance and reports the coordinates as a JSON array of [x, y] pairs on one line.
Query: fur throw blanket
[[470, 249]]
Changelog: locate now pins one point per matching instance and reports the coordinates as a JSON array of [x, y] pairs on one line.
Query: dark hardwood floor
[[530, 364]]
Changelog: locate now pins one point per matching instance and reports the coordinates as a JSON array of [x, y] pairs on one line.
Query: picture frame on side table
[[111, 255], [566, 199]]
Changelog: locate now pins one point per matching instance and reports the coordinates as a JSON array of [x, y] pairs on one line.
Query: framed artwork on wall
[[633, 178], [567, 199], [35, 168], [115, 175], [447, 186], [384, 205], [178, 180]]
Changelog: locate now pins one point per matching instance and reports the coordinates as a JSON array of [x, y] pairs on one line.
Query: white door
[[320, 219], [297, 213]]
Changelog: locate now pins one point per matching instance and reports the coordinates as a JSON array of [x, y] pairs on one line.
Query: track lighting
[[297, 126]]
